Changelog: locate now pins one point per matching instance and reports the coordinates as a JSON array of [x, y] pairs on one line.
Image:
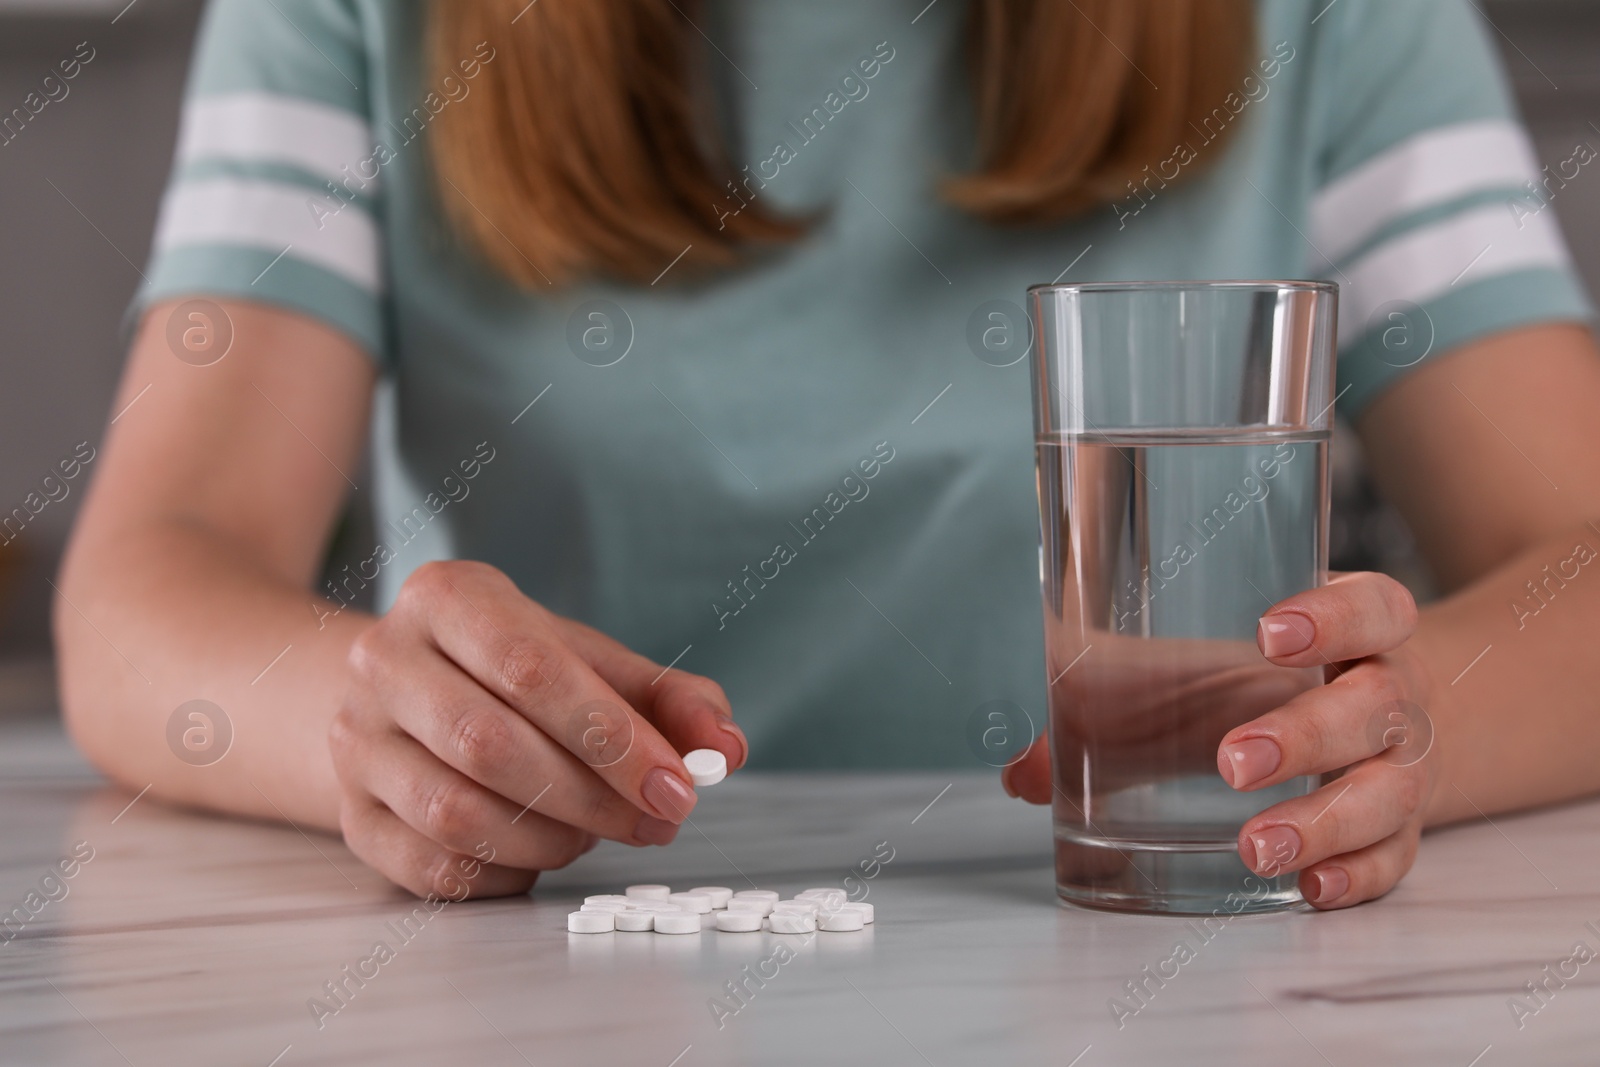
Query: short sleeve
[[1431, 210], [275, 189]]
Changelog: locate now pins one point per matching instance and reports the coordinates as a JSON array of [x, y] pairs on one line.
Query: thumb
[[1028, 776]]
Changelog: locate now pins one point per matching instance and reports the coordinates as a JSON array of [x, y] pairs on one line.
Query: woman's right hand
[[480, 727]]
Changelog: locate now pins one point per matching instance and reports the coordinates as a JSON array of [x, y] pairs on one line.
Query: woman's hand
[[1356, 836], [480, 727]]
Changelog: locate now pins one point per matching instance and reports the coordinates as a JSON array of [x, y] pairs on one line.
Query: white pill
[[591, 922], [757, 894], [739, 921], [653, 905], [605, 906], [843, 919], [677, 922], [837, 896], [719, 894], [606, 898], [636, 921], [810, 907], [648, 892], [695, 902], [861, 906], [760, 907], [706, 766], [793, 922]]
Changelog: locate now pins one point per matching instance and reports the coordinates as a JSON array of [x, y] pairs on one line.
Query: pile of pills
[[657, 908]]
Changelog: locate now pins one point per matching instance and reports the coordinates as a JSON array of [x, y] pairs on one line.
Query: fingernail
[[1284, 633], [727, 727], [1332, 883], [665, 792], [654, 831], [1270, 851], [1247, 762]]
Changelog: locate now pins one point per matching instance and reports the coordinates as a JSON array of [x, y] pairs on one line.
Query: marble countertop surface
[[188, 939]]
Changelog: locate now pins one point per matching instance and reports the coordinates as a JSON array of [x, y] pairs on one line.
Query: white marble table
[[194, 940]]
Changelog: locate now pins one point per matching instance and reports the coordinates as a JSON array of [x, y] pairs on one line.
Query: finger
[[1354, 615], [1323, 729], [690, 710], [450, 715], [478, 618], [1364, 806], [1364, 874], [1028, 776], [458, 814], [411, 861]]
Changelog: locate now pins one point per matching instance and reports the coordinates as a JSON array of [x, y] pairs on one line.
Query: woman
[[667, 309]]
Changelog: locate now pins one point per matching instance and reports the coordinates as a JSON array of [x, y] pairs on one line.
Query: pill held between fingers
[[719, 894], [794, 922], [706, 766], [639, 921], [843, 919], [677, 922], [695, 902], [739, 921], [591, 922], [647, 892]]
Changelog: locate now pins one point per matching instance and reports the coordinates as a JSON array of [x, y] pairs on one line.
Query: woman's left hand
[[1356, 836]]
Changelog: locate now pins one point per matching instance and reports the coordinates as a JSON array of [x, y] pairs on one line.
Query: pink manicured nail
[[665, 792], [654, 831], [1270, 850], [1284, 633], [1244, 763], [1332, 883], [727, 727]]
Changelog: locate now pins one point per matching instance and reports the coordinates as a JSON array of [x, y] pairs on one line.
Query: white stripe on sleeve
[[273, 217], [264, 128], [1430, 168], [1422, 264]]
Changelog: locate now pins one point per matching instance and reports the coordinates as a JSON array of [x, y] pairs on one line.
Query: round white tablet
[[605, 906], [794, 922], [606, 898], [648, 892], [760, 907], [742, 921], [837, 896], [677, 922], [591, 922], [653, 905], [757, 894], [706, 766], [861, 906], [843, 919], [719, 894], [695, 902], [810, 907], [636, 921]]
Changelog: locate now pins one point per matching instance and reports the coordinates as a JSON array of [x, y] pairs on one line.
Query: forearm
[[1515, 681], [156, 616]]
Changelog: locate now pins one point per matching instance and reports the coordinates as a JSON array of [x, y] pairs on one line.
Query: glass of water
[[1182, 447]]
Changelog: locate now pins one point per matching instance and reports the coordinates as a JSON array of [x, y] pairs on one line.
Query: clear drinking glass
[[1182, 443]]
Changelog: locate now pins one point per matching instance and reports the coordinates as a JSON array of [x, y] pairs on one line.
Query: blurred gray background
[[79, 189]]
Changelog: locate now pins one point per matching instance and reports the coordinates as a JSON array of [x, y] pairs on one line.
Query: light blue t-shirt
[[809, 478]]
